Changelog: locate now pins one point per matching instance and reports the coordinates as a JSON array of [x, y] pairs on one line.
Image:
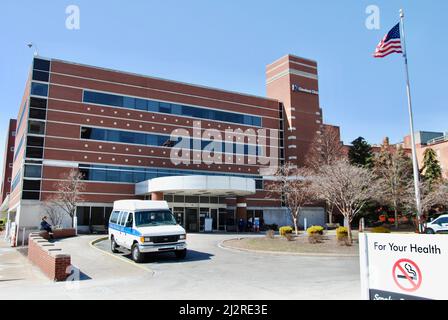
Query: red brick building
[[8, 159], [120, 129]]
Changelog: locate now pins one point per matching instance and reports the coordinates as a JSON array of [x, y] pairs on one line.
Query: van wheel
[[181, 254], [429, 231], [137, 256], [113, 245]]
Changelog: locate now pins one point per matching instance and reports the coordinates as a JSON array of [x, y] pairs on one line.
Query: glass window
[[31, 185], [35, 141], [129, 102], [97, 175], [38, 113], [41, 76], [191, 199], [154, 218], [97, 216], [33, 152], [141, 104], [36, 127], [123, 218], [153, 106], [113, 175], [164, 107], [41, 64], [38, 103], [83, 215], [103, 98], [139, 176], [114, 217], [127, 176], [39, 89], [259, 184], [30, 195]]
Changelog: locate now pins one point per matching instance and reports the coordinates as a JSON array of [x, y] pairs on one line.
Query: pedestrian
[[241, 225], [45, 226]]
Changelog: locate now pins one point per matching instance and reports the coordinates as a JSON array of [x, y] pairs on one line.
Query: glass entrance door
[[214, 216], [204, 213], [179, 215], [191, 222]]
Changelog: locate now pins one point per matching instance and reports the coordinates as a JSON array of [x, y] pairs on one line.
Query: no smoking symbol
[[407, 275]]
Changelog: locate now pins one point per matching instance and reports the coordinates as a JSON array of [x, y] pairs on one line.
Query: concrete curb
[[92, 245], [323, 255]]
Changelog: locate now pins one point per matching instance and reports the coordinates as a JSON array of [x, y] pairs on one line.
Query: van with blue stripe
[[145, 226]]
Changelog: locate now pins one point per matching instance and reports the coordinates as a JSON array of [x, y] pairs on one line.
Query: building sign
[[297, 88], [403, 267]]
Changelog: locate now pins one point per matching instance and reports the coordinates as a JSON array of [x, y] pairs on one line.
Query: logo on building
[[297, 88]]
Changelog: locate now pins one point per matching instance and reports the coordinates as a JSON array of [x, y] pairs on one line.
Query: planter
[[59, 233]]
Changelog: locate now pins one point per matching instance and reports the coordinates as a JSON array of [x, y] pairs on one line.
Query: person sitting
[[45, 226]]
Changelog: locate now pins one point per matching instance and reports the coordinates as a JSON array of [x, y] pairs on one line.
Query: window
[[33, 152], [259, 184], [36, 127], [169, 108], [41, 64], [32, 171], [38, 103], [114, 217], [97, 216], [38, 113], [33, 185], [35, 141], [123, 218], [16, 180], [83, 215], [39, 89], [30, 195], [13, 133], [41, 76]]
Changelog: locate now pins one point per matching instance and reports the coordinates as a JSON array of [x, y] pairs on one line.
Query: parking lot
[[208, 272]]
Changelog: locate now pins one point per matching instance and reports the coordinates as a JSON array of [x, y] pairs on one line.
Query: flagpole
[[411, 122]]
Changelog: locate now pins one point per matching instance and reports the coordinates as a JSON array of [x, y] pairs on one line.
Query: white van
[[145, 226]]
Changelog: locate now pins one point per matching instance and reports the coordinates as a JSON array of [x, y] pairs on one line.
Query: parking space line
[[93, 242]]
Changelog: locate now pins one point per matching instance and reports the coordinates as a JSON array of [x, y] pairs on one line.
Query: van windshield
[[154, 218]]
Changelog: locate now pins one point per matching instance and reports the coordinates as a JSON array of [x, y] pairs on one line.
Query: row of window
[[139, 174], [194, 199], [19, 147], [16, 180], [163, 140], [169, 108]]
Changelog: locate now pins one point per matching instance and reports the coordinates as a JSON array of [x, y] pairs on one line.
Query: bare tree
[[326, 148], [295, 187], [394, 171], [347, 187], [432, 195], [55, 215], [68, 194]]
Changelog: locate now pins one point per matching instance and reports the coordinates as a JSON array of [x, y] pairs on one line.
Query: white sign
[[208, 224], [297, 88], [403, 266]]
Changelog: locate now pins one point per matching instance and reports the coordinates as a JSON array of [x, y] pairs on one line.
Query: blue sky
[[227, 43]]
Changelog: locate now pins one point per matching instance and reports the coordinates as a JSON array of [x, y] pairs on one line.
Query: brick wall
[[48, 257], [58, 234]]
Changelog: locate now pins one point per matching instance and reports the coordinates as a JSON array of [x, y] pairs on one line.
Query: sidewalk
[[15, 267]]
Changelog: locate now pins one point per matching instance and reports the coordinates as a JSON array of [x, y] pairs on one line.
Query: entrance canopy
[[198, 185]]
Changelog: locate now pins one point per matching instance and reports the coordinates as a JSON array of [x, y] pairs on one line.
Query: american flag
[[391, 43]]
